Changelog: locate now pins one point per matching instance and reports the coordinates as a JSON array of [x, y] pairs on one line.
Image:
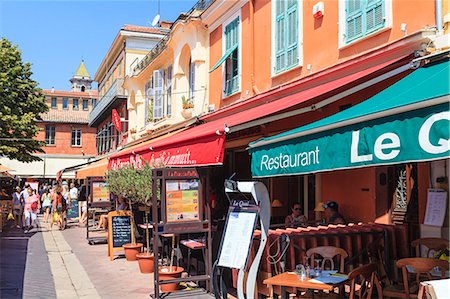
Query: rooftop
[[66, 116], [65, 93]]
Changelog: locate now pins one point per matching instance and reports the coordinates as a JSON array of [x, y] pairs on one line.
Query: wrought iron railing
[[196, 10]]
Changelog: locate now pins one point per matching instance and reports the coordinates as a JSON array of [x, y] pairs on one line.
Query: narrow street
[[61, 264]]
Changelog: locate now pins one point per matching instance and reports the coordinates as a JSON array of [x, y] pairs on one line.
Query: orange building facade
[[326, 44]]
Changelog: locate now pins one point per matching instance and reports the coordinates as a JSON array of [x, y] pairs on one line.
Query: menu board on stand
[[120, 231]]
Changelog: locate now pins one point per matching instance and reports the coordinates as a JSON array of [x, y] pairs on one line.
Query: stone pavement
[[112, 279], [61, 264]]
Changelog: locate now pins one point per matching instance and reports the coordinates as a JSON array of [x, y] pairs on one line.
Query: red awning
[[204, 144]]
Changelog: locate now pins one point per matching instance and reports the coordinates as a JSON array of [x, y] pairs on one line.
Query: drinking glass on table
[[300, 271], [318, 270]]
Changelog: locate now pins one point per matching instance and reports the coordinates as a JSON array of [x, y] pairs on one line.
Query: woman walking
[[17, 208], [46, 204], [30, 209]]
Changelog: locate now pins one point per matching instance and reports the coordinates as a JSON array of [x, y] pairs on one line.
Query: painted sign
[[182, 200], [100, 192], [116, 120], [417, 135]]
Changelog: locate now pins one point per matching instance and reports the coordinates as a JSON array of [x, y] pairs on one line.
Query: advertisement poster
[[182, 200], [100, 192]]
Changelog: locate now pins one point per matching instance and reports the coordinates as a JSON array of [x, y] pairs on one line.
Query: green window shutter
[[374, 15], [286, 34], [292, 34], [354, 19], [280, 44], [232, 58]]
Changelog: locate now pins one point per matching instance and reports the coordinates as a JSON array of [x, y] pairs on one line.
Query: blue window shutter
[[375, 15], [292, 35], [354, 19]]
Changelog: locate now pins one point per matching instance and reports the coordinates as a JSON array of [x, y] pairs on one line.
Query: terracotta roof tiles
[[143, 29], [66, 116]]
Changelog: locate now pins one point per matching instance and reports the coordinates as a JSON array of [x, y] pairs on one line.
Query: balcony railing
[[195, 11], [113, 92]]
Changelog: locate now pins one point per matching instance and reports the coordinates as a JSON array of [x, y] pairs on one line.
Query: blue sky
[[55, 35]]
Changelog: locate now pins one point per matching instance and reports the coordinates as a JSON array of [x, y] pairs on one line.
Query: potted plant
[[128, 181], [188, 105], [167, 272]]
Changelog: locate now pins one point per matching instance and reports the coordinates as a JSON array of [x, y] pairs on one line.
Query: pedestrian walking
[[46, 204], [17, 208], [30, 209]]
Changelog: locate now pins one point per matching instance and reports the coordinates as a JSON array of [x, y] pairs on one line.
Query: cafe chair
[[328, 253], [432, 245], [418, 267], [375, 253], [362, 282]]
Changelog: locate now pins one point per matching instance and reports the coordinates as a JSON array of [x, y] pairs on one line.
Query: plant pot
[[186, 113], [167, 273], [131, 250], [146, 262]]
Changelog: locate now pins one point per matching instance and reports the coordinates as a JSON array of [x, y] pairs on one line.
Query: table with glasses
[[327, 281]]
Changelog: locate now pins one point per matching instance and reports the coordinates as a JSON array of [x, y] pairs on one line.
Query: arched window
[[83, 88]]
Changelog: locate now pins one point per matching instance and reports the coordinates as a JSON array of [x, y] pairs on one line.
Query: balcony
[[195, 11], [114, 95]]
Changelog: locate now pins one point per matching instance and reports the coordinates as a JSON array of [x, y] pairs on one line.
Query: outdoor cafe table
[[290, 279]]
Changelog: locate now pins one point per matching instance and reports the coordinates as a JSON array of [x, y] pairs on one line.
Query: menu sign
[[182, 200], [237, 239], [100, 192], [120, 231], [436, 207]]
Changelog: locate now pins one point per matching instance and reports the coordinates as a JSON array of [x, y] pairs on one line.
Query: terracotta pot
[[186, 113], [174, 272], [146, 263], [131, 250]]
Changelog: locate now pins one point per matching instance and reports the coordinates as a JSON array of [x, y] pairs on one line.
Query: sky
[[54, 36]]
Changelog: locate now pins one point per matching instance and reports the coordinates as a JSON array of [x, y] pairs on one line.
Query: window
[[50, 135], [148, 101], [169, 90], [76, 137], [94, 103], [286, 35], [74, 104], [363, 17], [232, 62], [54, 103], [158, 94], [85, 105], [191, 81], [65, 103]]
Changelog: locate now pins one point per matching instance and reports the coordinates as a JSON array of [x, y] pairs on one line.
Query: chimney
[[165, 24], [53, 89]]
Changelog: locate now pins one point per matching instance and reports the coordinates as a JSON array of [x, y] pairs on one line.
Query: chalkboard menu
[[121, 230]]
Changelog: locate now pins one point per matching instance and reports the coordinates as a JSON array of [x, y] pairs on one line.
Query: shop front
[[377, 159]]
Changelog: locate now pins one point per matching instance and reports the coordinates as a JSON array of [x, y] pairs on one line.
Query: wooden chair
[[366, 277], [432, 244], [375, 253], [328, 253], [420, 267]]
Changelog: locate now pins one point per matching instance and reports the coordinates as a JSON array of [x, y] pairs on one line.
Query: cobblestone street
[[61, 264]]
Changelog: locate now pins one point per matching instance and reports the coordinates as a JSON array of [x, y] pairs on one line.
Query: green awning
[[223, 58], [408, 121]]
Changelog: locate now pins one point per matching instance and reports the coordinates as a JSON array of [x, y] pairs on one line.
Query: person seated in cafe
[[296, 219], [103, 221], [332, 214]]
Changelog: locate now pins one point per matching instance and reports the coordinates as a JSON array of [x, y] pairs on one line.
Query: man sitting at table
[[295, 219], [332, 213]]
